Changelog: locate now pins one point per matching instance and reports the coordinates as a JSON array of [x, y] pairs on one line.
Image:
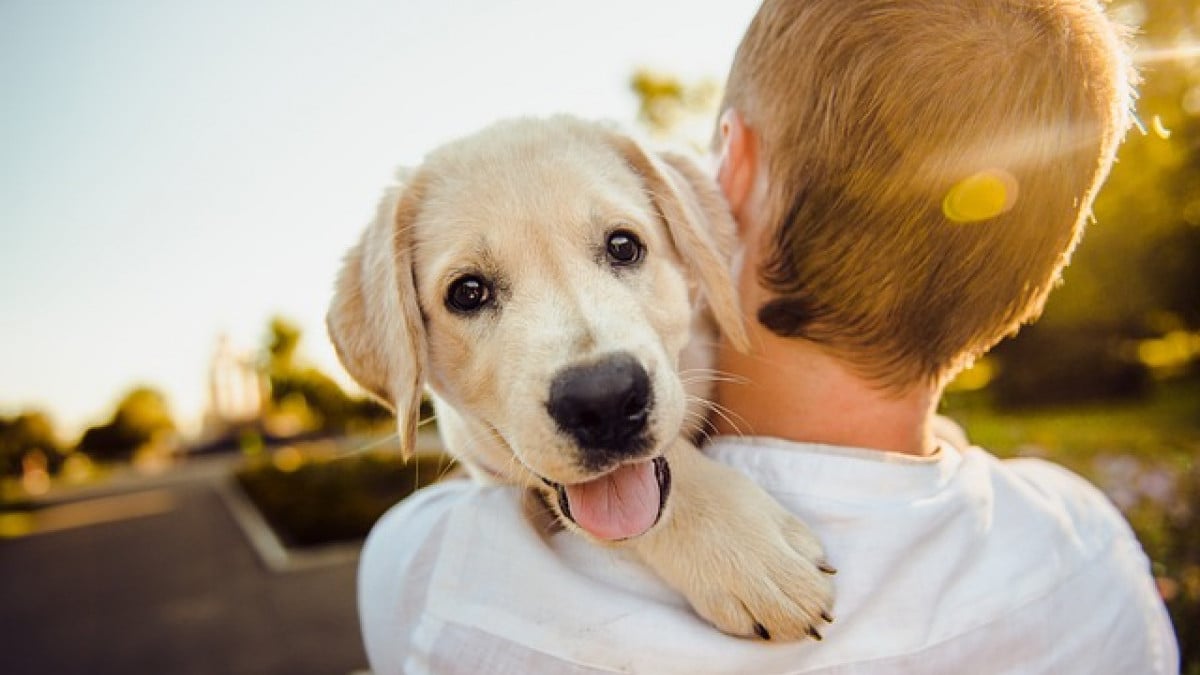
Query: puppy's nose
[[603, 406]]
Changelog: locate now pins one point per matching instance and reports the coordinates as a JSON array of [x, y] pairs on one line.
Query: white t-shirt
[[958, 563]]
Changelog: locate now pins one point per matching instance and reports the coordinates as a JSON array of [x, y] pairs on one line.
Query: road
[[161, 580]]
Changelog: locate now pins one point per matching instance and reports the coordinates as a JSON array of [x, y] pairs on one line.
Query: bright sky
[[171, 170]]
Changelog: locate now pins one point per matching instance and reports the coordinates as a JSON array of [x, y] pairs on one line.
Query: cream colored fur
[[529, 203]]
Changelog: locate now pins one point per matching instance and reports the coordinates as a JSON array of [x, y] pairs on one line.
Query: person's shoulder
[[401, 534], [421, 510], [402, 555], [422, 519], [1082, 562], [1055, 481], [1066, 495]]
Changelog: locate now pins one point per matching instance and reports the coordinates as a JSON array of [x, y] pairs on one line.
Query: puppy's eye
[[468, 294], [624, 248]]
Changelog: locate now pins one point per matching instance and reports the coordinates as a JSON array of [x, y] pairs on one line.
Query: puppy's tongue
[[617, 505]]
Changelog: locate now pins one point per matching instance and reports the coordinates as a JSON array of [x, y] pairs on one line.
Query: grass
[[1164, 427]]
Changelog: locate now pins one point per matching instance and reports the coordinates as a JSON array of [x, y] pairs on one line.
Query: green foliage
[[1165, 424], [28, 432], [1060, 364], [669, 107], [330, 500], [141, 416], [330, 408], [1136, 274], [660, 97], [308, 392], [283, 337]]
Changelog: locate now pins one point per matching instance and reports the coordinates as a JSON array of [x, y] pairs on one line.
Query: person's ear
[[737, 167]]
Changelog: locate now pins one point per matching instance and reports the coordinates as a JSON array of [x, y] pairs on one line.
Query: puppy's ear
[[374, 319], [700, 225]]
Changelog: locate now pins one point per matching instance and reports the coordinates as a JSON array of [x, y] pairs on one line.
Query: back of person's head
[[930, 166]]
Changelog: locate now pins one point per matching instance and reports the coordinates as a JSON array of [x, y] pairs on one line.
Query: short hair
[[876, 119]]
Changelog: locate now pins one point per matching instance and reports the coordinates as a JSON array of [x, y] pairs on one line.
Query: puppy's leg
[[742, 561]]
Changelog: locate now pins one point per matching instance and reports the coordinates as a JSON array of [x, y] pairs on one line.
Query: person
[[909, 178]]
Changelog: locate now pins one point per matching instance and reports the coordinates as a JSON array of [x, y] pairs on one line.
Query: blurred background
[[186, 473]]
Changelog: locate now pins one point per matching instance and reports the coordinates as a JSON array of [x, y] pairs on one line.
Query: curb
[[271, 551]]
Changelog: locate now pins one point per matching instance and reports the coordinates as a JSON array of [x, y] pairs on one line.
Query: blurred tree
[[1151, 196], [1136, 275], [310, 398], [283, 337], [29, 432], [670, 108], [141, 416]]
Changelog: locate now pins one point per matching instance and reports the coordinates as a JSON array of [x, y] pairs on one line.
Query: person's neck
[[792, 389]]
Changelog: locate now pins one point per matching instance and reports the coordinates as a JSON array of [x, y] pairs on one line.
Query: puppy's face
[[540, 277], [554, 301]]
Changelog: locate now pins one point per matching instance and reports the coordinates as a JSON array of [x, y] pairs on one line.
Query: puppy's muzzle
[[604, 407], [624, 520]]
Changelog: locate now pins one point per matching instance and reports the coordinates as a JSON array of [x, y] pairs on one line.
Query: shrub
[[1054, 365], [311, 501]]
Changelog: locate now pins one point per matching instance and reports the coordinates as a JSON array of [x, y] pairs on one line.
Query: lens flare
[[980, 196], [1183, 52], [1159, 128]]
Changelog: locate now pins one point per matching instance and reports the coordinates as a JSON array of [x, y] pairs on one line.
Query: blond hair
[[876, 119]]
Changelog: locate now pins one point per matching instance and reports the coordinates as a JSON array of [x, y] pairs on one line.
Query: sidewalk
[[158, 578]]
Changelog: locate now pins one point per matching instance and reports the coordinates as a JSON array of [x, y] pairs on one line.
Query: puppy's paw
[[744, 563], [772, 583]]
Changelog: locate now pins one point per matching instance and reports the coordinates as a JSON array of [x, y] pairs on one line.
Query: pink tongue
[[617, 505]]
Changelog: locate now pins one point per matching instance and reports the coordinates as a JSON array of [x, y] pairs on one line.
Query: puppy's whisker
[[717, 371], [711, 375], [728, 415], [368, 446], [711, 345], [520, 473], [767, 361], [701, 422], [710, 378], [445, 471], [696, 419]]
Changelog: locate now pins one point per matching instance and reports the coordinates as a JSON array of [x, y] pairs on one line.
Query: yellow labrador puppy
[[555, 287]]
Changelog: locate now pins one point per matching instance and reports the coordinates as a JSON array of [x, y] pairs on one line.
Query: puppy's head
[[541, 277]]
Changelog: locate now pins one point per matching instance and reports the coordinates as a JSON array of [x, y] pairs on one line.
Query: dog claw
[[761, 631], [814, 634], [826, 567], [825, 615]]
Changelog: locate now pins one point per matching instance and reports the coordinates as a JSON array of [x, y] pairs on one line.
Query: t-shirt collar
[[835, 471]]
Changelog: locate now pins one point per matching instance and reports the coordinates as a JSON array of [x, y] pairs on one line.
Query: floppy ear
[[374, 319], [700, 225]]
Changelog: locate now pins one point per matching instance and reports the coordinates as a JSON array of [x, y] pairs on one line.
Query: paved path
[[171, 588]]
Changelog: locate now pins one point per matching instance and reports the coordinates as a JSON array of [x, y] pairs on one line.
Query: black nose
[[603, 406]]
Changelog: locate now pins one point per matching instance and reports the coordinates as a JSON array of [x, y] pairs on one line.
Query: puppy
[[557, 288]]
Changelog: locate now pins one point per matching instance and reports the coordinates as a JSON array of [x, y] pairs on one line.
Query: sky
[[172, 170]]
